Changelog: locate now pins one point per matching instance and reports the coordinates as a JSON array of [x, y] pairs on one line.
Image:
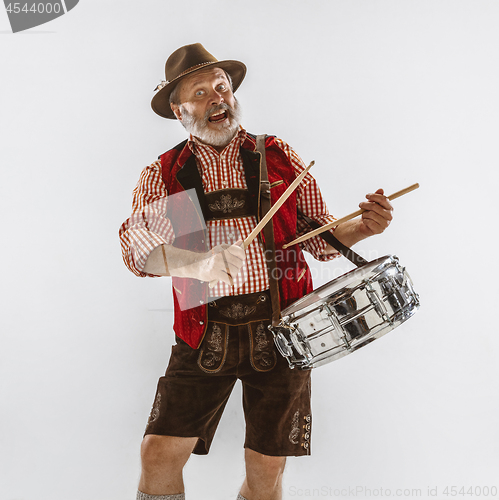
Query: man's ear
[[176, 111]]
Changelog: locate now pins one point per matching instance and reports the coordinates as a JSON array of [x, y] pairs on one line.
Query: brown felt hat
[[184, 62]]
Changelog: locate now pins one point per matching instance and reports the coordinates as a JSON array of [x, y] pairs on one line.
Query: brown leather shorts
[[192, 395]]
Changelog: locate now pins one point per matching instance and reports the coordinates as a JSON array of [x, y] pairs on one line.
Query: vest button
[[201, 322]]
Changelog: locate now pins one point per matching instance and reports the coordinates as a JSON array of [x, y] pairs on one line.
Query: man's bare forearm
[[167, 260], [220, 264], [348, 233]]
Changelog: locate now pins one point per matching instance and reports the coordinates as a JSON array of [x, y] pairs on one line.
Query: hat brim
[[161, 101]]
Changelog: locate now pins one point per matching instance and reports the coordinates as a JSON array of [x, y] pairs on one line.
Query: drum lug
[[283, 339], [376, 302], [282, 343], [337, 327]]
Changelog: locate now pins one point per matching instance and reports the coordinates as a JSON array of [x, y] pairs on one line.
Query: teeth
[[218, 113]]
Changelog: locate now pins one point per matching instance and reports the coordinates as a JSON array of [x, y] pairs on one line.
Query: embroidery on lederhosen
[[295, 428], [226, 204], [214, 349], [263, 356], [238, 311], [154, 410]]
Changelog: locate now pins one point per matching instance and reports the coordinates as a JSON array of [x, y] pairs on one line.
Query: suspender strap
[[334, 242], [268, 231]]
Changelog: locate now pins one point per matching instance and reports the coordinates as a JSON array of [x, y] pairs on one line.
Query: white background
[[379, 93]]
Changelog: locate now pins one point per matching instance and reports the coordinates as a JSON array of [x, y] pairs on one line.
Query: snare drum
[[346, 314]]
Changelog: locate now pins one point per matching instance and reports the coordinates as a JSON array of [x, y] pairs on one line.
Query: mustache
[[218, 107]]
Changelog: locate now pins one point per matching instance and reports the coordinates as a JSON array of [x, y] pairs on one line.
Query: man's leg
[[163, 459], [263, 476]]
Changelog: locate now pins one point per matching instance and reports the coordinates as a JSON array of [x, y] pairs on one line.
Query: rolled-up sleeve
[[311, 204], [147, 227]]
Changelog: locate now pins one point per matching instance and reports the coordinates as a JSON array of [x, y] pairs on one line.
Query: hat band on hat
[[164, 83], [192, 68]]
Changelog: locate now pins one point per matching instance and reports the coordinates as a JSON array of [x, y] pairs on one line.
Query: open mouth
[[218, 117]]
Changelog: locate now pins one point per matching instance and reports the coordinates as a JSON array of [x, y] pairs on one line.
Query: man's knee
[[263, 468], [166, 451]]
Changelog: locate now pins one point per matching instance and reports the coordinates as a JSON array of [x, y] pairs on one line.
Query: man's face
[[208, 108]]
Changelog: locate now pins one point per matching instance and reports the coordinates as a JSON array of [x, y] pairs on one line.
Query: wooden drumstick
[[259, 227], [327, 227]]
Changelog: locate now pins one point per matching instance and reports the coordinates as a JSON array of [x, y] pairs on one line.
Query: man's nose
[[216, 97]]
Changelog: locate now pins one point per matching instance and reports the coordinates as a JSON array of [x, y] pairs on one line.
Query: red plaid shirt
[[148, 228]]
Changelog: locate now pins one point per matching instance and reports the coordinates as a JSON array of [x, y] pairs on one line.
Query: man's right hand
[[224, 263]]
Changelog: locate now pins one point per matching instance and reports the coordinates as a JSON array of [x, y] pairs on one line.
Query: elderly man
[[222, 329]]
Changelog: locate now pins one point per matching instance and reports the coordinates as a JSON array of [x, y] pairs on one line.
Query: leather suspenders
[[268, 232]]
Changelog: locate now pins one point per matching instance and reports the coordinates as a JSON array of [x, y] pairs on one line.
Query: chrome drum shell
[[346, 314]]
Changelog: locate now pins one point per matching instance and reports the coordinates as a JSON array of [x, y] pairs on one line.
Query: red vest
[[179, 174]]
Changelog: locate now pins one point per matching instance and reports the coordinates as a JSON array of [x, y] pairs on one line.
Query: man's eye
[[199, 93], [222, 87]]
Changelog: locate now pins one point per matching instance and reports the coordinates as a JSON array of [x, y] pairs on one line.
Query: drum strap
[[268, 231], [334, 242]]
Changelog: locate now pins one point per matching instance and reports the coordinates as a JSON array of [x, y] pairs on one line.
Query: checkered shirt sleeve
[[147, 227], [311, 204]]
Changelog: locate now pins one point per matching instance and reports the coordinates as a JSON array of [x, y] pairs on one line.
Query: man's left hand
[[375, 219], [378, 214]]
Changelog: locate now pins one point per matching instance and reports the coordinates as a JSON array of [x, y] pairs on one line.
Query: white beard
[[199, 127]]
